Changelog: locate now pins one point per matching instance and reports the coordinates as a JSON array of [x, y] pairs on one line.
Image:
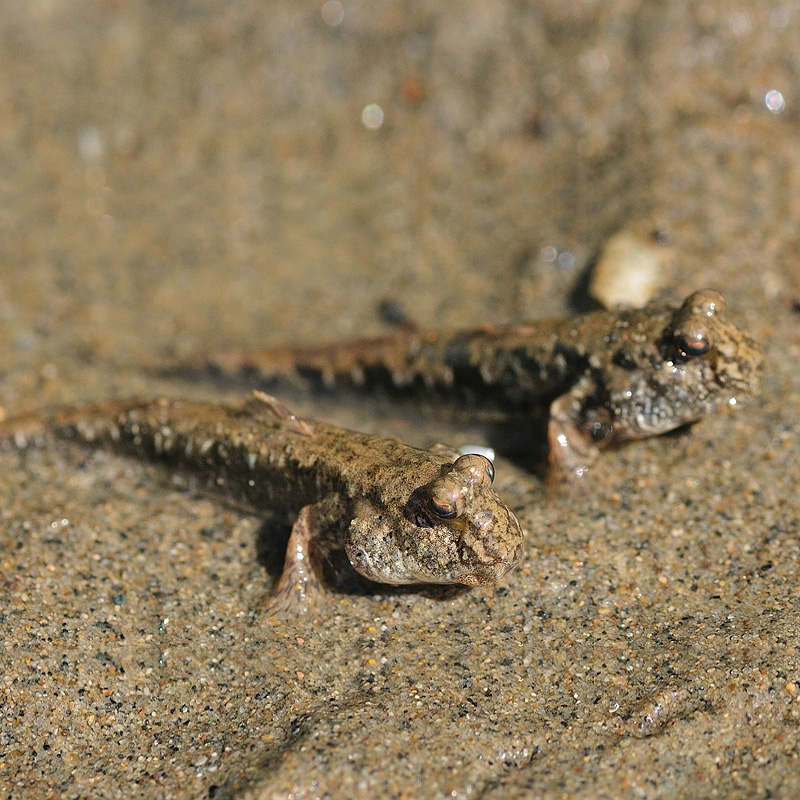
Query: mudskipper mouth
[[491, 570]]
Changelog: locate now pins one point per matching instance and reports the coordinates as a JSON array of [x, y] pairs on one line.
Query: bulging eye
[[441, 508], [706, 302], [475, 468], [446, 498], [692, 341], [600, 430], [599, 424]]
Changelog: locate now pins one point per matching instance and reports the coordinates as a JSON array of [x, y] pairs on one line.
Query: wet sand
[[178, 179]]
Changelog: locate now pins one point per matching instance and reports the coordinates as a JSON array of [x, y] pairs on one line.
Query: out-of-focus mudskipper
[[603, 377]]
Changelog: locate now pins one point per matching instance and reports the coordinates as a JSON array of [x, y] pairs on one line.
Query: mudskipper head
[[452, 529], [671, 368]]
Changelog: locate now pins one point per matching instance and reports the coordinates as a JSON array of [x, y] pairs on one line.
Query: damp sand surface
[[182, 179]]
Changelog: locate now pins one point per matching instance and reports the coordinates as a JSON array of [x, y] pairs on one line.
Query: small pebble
[[629, 271]]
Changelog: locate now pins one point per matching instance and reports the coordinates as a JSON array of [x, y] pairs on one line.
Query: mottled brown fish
[[604, 377], [400, 514]]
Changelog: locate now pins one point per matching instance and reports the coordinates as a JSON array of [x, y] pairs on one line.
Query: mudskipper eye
[[446, 498], [450, 493], [692, 341], [598, 423], [474, 468], [600, 431], [442, 509], [705, 302]]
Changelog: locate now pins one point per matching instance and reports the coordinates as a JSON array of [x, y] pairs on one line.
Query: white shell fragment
[[486, 452], [629, 270]]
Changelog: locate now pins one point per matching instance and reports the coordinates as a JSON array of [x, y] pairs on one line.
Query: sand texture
[[179, 178]]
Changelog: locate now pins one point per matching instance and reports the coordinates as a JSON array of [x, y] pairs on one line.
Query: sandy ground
[[183, 177]]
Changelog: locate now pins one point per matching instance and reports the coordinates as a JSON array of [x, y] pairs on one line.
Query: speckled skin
[[605, 376], [402, 515]]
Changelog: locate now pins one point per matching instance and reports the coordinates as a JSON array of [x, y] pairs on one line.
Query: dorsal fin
[[258, 401]]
